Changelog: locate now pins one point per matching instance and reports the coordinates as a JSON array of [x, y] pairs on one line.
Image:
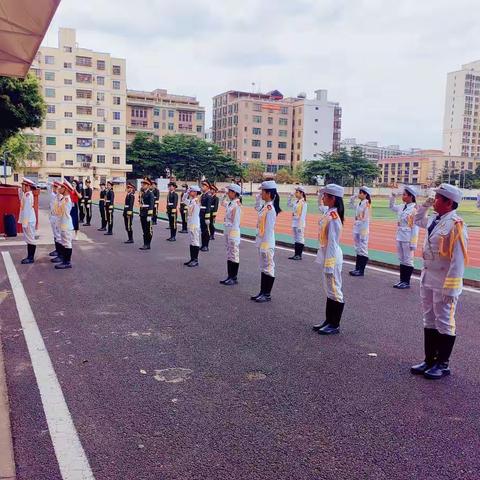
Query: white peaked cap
[[450, 191], [268, 185], [411, 190], [366, 190], [195, 188], [235, 188], [333, 189], [300, 188]]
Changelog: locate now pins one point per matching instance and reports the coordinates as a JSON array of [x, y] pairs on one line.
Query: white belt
[[145, 205]]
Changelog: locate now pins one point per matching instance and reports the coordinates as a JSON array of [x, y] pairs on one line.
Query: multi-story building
[[277, 131], [317, 126], [461, 127], [374, 151], [83, 134], [161, 113], [424, 168]]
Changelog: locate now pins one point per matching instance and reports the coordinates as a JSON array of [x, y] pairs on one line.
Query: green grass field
[[468, 210]]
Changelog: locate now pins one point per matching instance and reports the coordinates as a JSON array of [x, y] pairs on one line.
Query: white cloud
[[385, 61]]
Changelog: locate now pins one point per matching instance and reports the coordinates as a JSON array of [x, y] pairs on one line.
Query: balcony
[[145, 102]]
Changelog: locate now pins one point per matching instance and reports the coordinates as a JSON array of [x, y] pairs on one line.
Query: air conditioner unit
[[85, 164]]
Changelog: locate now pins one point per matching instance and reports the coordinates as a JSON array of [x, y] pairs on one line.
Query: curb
[[7, 462]]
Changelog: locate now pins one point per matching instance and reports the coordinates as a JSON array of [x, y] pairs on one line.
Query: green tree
[[254, 171], [144, 154], [20, 147], [21, 105], [284, 176]]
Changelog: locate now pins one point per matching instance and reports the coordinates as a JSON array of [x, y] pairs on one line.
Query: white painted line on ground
[[71, 457]]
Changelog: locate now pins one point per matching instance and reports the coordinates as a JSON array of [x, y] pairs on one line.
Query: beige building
[[424, 168], [277, 131], [83, 134], [461, 122], [161, 113]]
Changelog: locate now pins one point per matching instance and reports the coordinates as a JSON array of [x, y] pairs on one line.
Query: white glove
[[149, 219]]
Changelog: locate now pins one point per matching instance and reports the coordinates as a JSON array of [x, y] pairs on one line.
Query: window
[[257, 119], [282, 133], [100, 112], [67, 81], [284, 110], [49, 60], [156, 112], [256, 143], [100, 143], [49, 75], [171, 114], [257, 107], [269, 155], [116, 160], [269, 144], [67, 98], [116, 130], [256, 131], [100, 64], [116, 115], [83, 61], [282, 156], [116, 84], [199, 128], [269, 132], [199, 116], [171, 126], [68, 130], [100, 158], [255, 154], [100, 80], [84, 110], [69, 162], [51, 140], [116, 70], [50, 124], [116, 100], [69, 114], [156, 125], [272, 168], [283, 121], [270, 120], [50, 108], [84, 142], [84, 77], [116, 145], [282, 144], [67, 65], [84, 157], [67, 49], [68, 146], [100, 127], [50, 92], [51, 157], [84, 94], [84, 126], [100, 96]]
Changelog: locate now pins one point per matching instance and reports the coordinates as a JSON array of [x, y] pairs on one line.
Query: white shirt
[[27, 212]]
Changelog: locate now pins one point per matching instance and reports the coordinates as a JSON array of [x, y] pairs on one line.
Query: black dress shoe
[[403, 286], [102, 229], [356, 273], [229, 281], [329, 330], [128, 241], [85, 225], [27, 261], [193, 263], [171, 239], [263, 298], [439, 370], [256, 296], [188, 263], [398, 284], [145, 247], [63, 266], [420, 369], [204, 249], [108, 233], [53, 254], [56, 260], [295, 257], [183, 231], [316, 328]]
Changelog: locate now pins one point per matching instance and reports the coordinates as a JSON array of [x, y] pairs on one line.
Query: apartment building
[[317, 125], [461, 127], [424, 168], [160, 113], [277, 131], [83, 134], [374, 151]]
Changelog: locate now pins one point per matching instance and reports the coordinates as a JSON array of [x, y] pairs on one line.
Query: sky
[[384, 61]]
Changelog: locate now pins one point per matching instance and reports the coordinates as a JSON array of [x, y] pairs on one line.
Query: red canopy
[[23, 24]]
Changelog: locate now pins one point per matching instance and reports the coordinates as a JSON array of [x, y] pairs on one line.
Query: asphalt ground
[[169, 375]]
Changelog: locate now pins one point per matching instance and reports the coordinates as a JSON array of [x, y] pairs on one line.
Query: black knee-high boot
[[262, 286], [330, 305], [267, 289], [334, 318], [430, 337], [440, 368]]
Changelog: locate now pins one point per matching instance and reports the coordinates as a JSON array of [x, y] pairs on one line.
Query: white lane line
[[71, 457], [349, 262]]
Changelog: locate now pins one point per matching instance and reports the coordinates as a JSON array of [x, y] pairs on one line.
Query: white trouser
[[194, 235], [298, 235], [66, 238], [233, 248], [29, 232], [266, 262], [405, 255], [332, 282], [437, 313], [55, 230], [361, 244]]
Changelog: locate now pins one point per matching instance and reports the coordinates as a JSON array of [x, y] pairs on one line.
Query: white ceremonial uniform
[[27, 217], [299, 216], [407, 231], [62, 207], [52, 217], [330, 255], [444, 258], [361, 226], [193, 220], [265, 239], [233, 212]]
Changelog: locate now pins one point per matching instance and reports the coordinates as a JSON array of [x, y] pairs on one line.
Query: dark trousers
[[211, 225], [109, 218], [147, 231], [101, 207], [81, 210], [154, 216], [172, 222], [204, 230], [88, 212], [128, 219], [183, 213]]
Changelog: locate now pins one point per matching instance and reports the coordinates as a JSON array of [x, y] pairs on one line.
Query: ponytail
[[275, 198], [340, 208]]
